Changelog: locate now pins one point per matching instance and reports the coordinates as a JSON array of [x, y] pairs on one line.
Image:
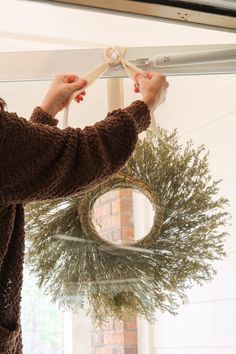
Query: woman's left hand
[[60, 91]]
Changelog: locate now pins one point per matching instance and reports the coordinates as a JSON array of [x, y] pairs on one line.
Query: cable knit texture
[[39, 161]]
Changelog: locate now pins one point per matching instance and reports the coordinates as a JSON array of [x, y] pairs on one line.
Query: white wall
[[204, 109]]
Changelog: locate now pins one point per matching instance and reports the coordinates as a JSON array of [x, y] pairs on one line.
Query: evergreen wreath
[[77, 266]]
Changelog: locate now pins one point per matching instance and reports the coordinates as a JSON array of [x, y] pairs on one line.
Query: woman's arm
[[41, 117], [42, 162]]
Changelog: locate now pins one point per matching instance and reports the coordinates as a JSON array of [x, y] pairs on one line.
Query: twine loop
[[115, 55]]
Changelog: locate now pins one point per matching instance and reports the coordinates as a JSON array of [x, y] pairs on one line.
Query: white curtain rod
[[171, 60]]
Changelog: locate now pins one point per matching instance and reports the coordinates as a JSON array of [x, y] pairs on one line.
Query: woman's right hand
[[58, 95], [153, 86]]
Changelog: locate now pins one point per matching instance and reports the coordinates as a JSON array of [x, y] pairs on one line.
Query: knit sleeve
[[41, 117], [40, 162]]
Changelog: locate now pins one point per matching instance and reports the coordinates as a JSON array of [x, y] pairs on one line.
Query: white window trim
[[43, 65]]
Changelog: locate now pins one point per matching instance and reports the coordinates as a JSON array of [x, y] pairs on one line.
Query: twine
[[113, 57]]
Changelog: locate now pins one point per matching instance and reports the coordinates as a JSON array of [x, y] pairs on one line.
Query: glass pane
[[42, 322], [220, 4], [203, 109]]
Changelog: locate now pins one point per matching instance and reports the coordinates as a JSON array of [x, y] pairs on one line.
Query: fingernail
[[136, 76]]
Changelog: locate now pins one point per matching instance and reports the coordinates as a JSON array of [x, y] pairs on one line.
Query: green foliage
[[120, 282]]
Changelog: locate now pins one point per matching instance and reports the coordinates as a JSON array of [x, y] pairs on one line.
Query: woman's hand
[[60, 91], [153, 86]]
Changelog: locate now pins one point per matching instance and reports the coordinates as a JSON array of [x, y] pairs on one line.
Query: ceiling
[[29, 25]]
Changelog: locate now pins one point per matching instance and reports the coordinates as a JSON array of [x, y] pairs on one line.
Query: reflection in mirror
[[123, 216]]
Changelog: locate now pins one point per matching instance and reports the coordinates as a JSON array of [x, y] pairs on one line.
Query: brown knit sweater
[[40, 161]]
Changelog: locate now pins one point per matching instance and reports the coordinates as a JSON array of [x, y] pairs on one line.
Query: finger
[[83, 93], [73, 78], [138, 77], [149, 75], [78, 85], [136, 87], [78, 98], [70, 78]]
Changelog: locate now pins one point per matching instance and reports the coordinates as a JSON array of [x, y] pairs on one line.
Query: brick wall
[[114, 215]]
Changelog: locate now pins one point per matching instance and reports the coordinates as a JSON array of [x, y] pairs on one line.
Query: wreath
[[77, 267]]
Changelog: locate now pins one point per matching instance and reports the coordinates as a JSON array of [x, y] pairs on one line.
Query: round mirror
[[123, 215]]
